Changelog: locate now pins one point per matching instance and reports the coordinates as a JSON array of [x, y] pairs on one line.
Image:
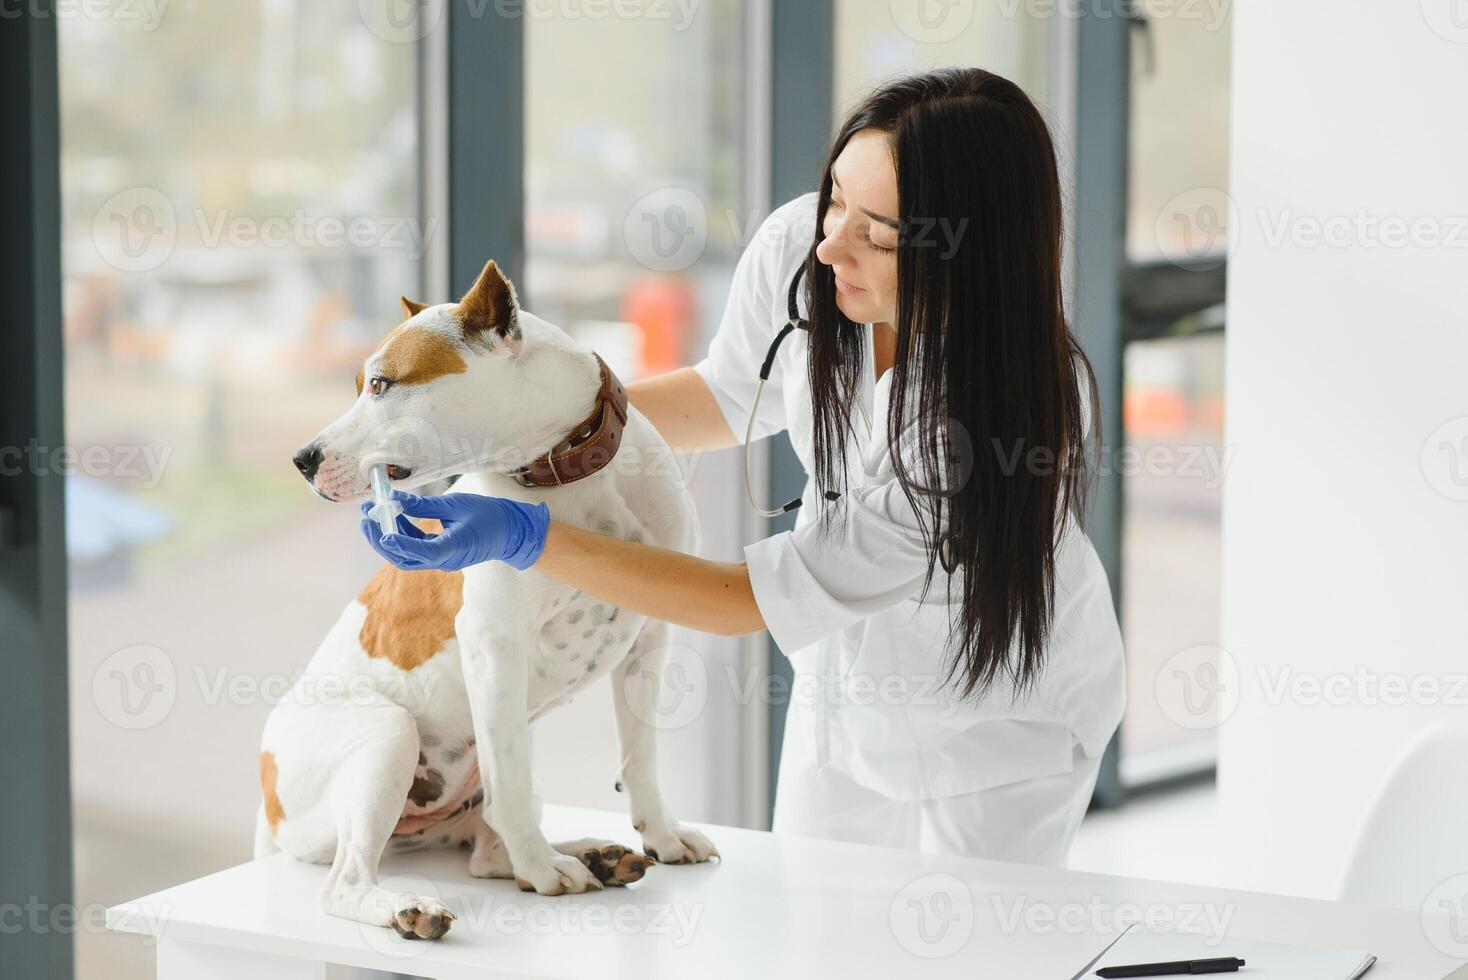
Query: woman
[[958, 667]]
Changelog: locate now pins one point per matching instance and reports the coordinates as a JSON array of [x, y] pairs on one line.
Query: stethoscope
[[795, 322]]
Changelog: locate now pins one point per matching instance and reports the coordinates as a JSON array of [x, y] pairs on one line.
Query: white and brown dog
[[429, 680]]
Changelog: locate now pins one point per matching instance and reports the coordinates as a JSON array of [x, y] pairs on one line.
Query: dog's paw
[[556, 874], [421, 918], [612, 863], [678, 845]]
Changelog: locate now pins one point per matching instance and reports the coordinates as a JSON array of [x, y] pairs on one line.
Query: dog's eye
[[378, 385]]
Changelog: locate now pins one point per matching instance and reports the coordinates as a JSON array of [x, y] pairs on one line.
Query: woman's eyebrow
[[889, 222]]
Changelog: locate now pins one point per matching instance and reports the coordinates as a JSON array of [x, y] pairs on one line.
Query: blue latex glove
[[475, 529]]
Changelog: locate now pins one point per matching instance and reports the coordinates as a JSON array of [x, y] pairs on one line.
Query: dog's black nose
[[308, 461]]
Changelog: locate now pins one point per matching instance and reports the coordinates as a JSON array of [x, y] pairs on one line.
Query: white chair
[[1416, 835]]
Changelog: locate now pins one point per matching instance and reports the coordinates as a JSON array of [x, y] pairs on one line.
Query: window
[[238, 191], [876, 41], [635, 215], [1174, 458]]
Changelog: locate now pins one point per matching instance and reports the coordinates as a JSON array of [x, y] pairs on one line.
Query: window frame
[[34, 722]]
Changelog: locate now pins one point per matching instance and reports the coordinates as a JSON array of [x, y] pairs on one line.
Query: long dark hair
[[984, 351]]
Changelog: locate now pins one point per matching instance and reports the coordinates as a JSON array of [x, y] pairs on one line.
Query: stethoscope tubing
[[795, 322]]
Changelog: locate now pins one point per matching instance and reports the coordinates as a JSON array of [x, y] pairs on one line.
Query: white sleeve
[[874, 557], [753, 315], [807, 588]]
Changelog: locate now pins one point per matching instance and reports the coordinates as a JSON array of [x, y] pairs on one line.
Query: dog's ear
[[489, 309], [412, 307]]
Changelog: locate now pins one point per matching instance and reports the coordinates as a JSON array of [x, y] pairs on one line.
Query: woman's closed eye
[[866, 234], [878, 246]]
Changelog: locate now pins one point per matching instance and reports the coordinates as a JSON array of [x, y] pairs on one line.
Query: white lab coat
[[877, 749]]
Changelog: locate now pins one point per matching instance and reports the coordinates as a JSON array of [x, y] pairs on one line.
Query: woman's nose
[[832, 247]]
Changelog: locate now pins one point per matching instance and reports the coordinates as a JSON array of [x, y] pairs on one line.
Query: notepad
[[1263, 961]]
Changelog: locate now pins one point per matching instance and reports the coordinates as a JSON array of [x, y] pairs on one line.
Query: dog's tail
[[264, 843]]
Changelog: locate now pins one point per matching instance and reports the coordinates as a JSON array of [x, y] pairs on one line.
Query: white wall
[[1342, 547]]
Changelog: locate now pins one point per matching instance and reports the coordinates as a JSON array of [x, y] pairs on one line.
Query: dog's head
[[427, 396]]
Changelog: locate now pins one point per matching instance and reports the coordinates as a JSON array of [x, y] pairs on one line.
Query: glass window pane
[[1178, 213], [239, 186], [1178, 205], [1172, 479], [634, 219], [875, 41]]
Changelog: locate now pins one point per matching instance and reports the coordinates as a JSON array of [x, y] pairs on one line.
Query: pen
[[1222, 964]]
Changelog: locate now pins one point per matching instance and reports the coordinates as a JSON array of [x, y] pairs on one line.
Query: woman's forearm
[[712, 596], [683, 410]]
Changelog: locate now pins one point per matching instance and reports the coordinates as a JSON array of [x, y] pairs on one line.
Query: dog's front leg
[[494, 650]]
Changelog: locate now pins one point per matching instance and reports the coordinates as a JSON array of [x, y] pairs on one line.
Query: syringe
[[385, 510]]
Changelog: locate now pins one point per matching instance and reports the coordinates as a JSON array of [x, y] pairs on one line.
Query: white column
[[1346, 504]]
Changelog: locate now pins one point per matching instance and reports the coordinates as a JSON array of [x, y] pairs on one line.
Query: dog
[[429, 680]]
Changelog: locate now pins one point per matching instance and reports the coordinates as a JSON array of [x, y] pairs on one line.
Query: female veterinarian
[[958, 667]]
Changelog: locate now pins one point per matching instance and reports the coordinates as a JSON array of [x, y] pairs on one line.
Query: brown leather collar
[[593, 441]]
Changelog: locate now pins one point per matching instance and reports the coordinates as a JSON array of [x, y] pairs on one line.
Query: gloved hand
[[475, 529]]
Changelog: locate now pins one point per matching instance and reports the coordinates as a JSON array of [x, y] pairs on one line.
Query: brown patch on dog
[[417, 821], [360, 379], [416, 355], [614, 864], [410, 615], [415, 922], [269, 773], [426, 788]]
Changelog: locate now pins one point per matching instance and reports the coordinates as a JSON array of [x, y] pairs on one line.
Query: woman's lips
[[843, 286]]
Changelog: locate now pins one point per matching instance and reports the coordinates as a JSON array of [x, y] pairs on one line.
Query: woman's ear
[[489, 311]]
